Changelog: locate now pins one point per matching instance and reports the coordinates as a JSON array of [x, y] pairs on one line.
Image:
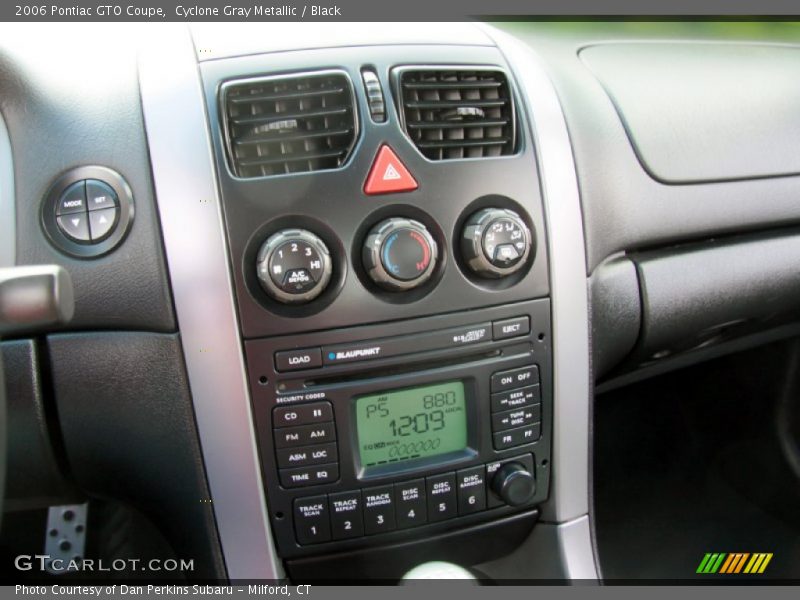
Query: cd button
[[302, 414]]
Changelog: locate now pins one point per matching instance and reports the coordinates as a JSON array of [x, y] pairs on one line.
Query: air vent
[[463, 113], [280, 125]]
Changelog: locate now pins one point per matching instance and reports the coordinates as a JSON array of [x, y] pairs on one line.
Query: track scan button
[[292, 360], [311, 522]]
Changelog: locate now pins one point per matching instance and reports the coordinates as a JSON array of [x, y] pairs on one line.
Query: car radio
[[374, 434]]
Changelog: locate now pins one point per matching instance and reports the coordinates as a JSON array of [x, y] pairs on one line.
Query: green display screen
[[409, 424]]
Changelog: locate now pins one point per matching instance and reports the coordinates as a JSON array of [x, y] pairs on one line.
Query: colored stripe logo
[[734, 563]]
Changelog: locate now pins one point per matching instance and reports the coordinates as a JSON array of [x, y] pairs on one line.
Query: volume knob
[[399, 254], [514, 484]]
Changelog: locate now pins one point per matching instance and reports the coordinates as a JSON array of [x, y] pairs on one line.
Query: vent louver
[[280, 125], [458, 113]]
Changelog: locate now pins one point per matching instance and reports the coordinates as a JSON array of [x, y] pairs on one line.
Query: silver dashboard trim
[[572, 392], [8, 215], [197, 257]]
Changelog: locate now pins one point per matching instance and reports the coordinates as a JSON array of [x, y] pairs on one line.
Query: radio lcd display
[[413, 423]]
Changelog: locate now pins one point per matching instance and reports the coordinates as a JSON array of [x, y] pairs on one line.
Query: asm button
[[307, 455]]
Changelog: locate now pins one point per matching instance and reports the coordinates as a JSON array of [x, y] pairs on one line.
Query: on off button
[[506, 380]]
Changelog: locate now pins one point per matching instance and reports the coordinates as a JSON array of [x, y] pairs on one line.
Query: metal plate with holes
[[124, 217], [65, 538]]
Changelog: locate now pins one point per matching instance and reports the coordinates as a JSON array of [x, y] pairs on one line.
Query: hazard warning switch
[[388, 174]]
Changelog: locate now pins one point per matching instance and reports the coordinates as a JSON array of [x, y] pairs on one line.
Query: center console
[[390, 264]]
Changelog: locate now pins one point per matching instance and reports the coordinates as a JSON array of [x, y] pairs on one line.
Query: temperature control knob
[[399, 254], [294, 266], [496, 242], [514, 484]]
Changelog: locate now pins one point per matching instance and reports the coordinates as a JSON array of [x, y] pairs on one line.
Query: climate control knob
[[514, 484], [496, 243], [399, 254], [294, 266]]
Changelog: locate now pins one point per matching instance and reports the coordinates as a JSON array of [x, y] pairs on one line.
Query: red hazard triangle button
[[388, 174]]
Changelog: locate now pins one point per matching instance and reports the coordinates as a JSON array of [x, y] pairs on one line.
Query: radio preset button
[[289, 437], [302, 414], [411, 503], [442, 497], [471, 490], [506, 380], [517, 417], [305, 476], [307, 455], [379, 510], [311, 523], [347, 519], [509, 328], [292, 360], [516, 398], [517, 437]]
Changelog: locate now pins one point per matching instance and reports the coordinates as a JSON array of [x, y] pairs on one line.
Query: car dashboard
[[353, 298]]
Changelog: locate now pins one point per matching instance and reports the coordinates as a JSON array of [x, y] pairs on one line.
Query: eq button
[[302, 414], [305, 476]]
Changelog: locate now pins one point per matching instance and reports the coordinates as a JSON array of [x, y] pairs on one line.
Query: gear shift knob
[[438, 570]]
